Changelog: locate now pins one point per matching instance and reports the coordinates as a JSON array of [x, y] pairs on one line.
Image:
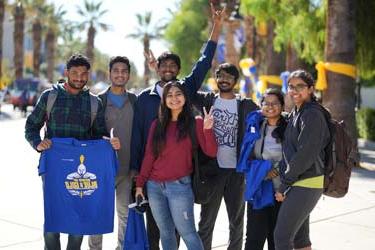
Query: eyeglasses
[[298, 87], [227, 78], [270, 104]]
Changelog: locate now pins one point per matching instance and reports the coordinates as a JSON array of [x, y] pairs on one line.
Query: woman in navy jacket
[[302, 168]]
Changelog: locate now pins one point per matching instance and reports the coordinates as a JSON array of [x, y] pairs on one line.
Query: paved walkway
[[336, 224]]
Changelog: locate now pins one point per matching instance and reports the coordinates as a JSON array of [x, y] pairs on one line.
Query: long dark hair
[[278, 132], [184, 120]]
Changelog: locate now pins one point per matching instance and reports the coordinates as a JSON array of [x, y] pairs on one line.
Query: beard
[[78, 85], [121, 84], [226, 89], [167, 79]]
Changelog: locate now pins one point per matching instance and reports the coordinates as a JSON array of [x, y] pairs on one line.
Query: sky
[[121, 17]]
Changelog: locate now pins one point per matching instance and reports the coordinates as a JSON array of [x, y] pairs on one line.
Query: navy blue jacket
[[147, 105], [306, 137]]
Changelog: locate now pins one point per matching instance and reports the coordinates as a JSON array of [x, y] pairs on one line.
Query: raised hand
[[151, 61], [217, 15], [208, 120]]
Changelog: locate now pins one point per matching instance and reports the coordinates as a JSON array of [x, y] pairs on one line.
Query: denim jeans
[[52, 241], [172, 205]]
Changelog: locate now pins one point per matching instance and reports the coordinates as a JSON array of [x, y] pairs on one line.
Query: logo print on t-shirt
[[81, 182], [225, 126]]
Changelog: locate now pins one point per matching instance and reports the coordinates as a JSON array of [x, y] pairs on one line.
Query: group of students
[[293, 145], [154, 137]]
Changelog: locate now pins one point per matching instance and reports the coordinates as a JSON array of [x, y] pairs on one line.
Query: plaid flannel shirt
[[70, 117]]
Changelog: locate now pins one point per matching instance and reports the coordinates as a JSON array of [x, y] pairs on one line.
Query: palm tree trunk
[[260, 53], [293, 62], [146, 47], [250, 36], [37, 42], [339, 98], [18, 37], [90, 44], [2, 11], [50, 46], [231, 25], [231, 55], [275, 60]]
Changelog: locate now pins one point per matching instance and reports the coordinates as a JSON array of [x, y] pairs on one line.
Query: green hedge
[[366, 123]]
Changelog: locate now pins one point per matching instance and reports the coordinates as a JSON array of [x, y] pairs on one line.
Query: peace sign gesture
[[208, 120], [150, 58], [217, 15]]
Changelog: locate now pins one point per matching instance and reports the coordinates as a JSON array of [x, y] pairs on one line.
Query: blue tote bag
[[135, 235]]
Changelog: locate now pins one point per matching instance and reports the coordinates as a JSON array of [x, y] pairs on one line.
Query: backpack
[[201, 185], [340, 157], [52, 95]]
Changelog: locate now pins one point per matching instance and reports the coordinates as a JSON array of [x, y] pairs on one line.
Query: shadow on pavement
[[4, 116], [364, 173], [368, 157]]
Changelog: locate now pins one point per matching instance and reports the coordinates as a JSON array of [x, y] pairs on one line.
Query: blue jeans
[[52, 241], [172, 205]]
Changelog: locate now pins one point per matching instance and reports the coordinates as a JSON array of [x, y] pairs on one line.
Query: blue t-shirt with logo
[[79, 186]]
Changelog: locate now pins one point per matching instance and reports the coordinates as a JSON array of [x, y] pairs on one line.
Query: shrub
[[366, 123]]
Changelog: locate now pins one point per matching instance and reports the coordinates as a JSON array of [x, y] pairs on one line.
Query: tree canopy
[[298, 23], [187, 31], [302, 23], [365, 36]]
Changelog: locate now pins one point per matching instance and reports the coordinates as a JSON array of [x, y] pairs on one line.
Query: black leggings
[[292, 227], [260, 226]]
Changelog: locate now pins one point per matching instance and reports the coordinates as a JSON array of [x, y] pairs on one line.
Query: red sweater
[[176, 159]]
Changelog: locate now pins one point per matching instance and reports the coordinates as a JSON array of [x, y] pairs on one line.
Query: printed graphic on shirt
[[225, 126], [81, 183]]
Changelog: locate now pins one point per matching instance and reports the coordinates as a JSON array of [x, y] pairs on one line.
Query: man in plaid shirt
[[70, 116]]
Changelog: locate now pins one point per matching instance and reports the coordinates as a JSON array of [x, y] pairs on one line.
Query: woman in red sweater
[[167, 166]]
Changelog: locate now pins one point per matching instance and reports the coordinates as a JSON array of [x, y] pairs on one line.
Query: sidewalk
[[336, 224], [346, 223]]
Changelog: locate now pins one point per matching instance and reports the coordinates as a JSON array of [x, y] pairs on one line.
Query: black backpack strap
[[52, 95], [132, 98], [103, 98], [94, 104]]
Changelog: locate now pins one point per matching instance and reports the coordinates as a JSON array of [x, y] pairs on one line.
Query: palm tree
[[2, 12], [250, 36], [54, 26], [275, 61], [18, 38], [92, 13], [340, 95], [37, 10], [231, 25], [146, 32]]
